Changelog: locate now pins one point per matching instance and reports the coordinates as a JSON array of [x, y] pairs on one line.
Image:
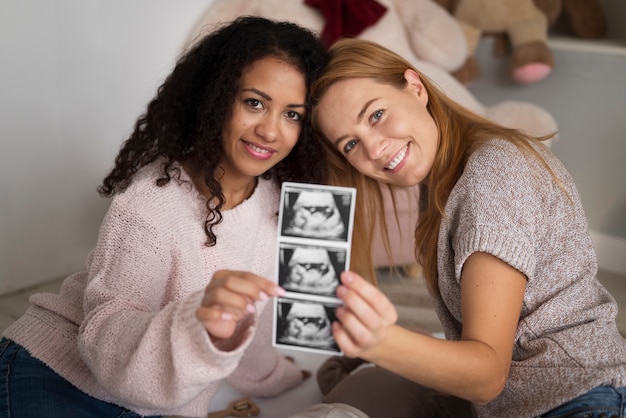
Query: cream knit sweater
[[124, 329]]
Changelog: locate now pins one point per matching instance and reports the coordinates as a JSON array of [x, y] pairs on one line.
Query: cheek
[[291, 135], [399, 126], [359, 162]]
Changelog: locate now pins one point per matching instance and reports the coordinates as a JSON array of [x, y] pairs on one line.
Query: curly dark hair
[[184, 121]]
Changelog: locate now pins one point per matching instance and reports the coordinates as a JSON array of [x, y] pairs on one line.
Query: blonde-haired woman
[[502, 236]]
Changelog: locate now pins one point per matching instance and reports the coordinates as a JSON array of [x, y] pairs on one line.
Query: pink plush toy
[[423, 32]]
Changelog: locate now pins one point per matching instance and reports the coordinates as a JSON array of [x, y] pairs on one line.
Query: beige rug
[[410, 295]]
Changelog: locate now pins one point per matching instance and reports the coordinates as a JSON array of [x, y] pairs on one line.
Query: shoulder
[[144, 191], [144, 200], [499, 164], [495, 154], [501, 181]]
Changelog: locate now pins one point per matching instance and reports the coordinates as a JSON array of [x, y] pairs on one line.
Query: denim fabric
[[601, 402], [30, 389]]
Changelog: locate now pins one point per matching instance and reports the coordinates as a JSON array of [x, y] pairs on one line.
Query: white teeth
[[257, 149], [397, 160]]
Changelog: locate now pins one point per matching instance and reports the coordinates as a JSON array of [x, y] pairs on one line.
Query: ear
[[414, 83]]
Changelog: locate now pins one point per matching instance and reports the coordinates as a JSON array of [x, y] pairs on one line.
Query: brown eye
[[295, 116], [254, 103]]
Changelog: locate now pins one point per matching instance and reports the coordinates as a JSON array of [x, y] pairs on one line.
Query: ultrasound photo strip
[[315, 235]]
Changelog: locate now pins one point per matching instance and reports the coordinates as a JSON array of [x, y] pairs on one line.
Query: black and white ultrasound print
[[315, 235]]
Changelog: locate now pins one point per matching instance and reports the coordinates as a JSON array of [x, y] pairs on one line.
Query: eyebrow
[[268, 98], [358, 119]]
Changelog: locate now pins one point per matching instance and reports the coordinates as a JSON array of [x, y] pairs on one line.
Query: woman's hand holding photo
[[229, 297], [365, 317]]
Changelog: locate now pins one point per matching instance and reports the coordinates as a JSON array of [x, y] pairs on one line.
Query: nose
[[375, 147], [268, 127]]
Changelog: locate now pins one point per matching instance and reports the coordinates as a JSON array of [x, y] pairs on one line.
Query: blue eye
[[376, 116], [350, 145]]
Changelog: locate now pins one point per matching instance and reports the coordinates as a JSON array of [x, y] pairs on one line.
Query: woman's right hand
[[229, 297], [364, 318]]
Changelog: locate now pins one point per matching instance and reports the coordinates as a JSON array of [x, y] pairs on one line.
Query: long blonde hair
[[460, 133]]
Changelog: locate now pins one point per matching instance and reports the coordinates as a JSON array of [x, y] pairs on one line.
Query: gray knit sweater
[[566, 342]]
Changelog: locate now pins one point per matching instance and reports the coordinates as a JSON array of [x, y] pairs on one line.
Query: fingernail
[[341, 291], [280, 291], [250, 308], [263, 295], [227, 316]]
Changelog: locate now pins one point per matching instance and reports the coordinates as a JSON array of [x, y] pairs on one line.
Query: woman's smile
[[258, 151], [398, 160]]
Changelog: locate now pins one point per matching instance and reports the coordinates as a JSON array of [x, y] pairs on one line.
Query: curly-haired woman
[[173, 297]]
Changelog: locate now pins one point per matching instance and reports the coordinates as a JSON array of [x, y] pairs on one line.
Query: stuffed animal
[[353, 388], [585, 17], [421, 31], [524, 24]]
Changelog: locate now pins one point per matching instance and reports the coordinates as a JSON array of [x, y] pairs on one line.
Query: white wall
[[75, 75], [586, 94]]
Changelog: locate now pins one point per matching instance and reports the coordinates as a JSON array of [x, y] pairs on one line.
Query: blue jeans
[[30, 389], [600, 402]]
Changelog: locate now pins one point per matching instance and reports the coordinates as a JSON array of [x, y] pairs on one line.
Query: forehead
[[272, 69], [344, 95], [343, 100]]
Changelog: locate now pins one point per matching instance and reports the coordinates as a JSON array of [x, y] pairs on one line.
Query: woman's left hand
[[365, 317]]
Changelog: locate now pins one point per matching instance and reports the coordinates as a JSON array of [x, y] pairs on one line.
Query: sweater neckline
[[259, 198]]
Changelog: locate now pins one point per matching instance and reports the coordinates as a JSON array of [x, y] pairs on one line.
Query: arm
[[474, 368], [143, 343]]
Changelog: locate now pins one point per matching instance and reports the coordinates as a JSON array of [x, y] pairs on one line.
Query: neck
[[235, 190]]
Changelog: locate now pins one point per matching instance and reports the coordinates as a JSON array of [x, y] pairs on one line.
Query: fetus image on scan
[[310, 270], [314, 214], [308, 324]]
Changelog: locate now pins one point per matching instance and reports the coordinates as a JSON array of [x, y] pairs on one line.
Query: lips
[[258, 152], [397, 159]]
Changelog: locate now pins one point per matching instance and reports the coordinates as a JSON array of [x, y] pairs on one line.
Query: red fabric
[[346, 17]]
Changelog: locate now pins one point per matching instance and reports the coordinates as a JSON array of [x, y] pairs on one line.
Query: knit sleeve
[[132, 332], [498, 207], [263, 371]]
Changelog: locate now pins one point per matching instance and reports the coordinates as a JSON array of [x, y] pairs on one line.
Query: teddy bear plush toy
[[521, 21]]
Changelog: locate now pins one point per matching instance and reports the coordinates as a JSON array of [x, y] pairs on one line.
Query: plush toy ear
[[346, 17]]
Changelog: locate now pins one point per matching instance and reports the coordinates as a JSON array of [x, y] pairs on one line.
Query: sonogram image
[[307, 324], [315, 214]]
